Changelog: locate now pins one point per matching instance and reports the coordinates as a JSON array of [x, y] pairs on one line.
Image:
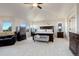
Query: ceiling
[[49, 11]]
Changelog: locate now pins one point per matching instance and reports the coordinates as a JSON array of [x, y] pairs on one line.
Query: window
[[23, 25], [7, 26]]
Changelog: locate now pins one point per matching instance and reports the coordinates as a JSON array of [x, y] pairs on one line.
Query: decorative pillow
[[41, 30], [6, 33], [49, 30]]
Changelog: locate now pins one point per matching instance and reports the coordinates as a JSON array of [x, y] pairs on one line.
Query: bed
[[44, 34]]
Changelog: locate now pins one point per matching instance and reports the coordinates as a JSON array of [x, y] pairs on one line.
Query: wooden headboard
[[47, 27]]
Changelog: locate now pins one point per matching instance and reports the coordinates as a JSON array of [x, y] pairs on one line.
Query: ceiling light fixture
[[35, 4]]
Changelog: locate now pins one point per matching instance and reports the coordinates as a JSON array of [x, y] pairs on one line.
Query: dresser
[[74, 43], [60, 34]]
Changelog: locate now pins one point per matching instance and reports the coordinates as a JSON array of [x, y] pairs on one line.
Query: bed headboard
[[47, 27]]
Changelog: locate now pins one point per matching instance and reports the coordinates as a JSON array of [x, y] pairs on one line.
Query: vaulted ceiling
[[49, 11]]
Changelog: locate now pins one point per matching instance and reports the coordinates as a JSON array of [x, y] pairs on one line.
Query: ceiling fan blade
[[39, 7], [31, 4], [27, 3], [39, 3]]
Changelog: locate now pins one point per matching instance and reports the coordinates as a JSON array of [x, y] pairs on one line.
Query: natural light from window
[[7, 26]]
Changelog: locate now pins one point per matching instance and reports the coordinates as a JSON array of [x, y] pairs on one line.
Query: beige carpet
[[59, 47]]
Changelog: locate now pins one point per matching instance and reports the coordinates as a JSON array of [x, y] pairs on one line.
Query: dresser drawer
[[60, 34]]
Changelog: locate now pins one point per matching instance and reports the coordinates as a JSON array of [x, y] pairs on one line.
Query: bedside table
[[60, 34]]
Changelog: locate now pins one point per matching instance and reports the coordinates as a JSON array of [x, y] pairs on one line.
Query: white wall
[[77, 18], [72, 18], [71, 21]]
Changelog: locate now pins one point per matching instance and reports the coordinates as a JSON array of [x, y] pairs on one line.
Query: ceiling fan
[[36, 5]]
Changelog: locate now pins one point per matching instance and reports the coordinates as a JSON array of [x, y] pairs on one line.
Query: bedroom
[[26, 17]]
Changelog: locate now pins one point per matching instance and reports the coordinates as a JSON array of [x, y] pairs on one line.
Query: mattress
[[41, 37]]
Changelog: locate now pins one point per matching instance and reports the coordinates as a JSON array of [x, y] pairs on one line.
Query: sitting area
[[7, 38]]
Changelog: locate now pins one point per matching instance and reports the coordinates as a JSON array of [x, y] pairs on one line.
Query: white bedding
[[45, 31], [41, 37]]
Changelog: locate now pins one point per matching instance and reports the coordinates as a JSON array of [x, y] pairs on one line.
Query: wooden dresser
[[60, 34], [74, 43]]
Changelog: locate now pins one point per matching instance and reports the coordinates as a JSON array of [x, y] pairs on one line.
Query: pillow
[[49, 30], [37, 36], [6, 33], [41, 30]]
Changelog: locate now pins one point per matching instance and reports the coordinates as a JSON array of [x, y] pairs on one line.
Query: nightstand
[[60, 34]]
